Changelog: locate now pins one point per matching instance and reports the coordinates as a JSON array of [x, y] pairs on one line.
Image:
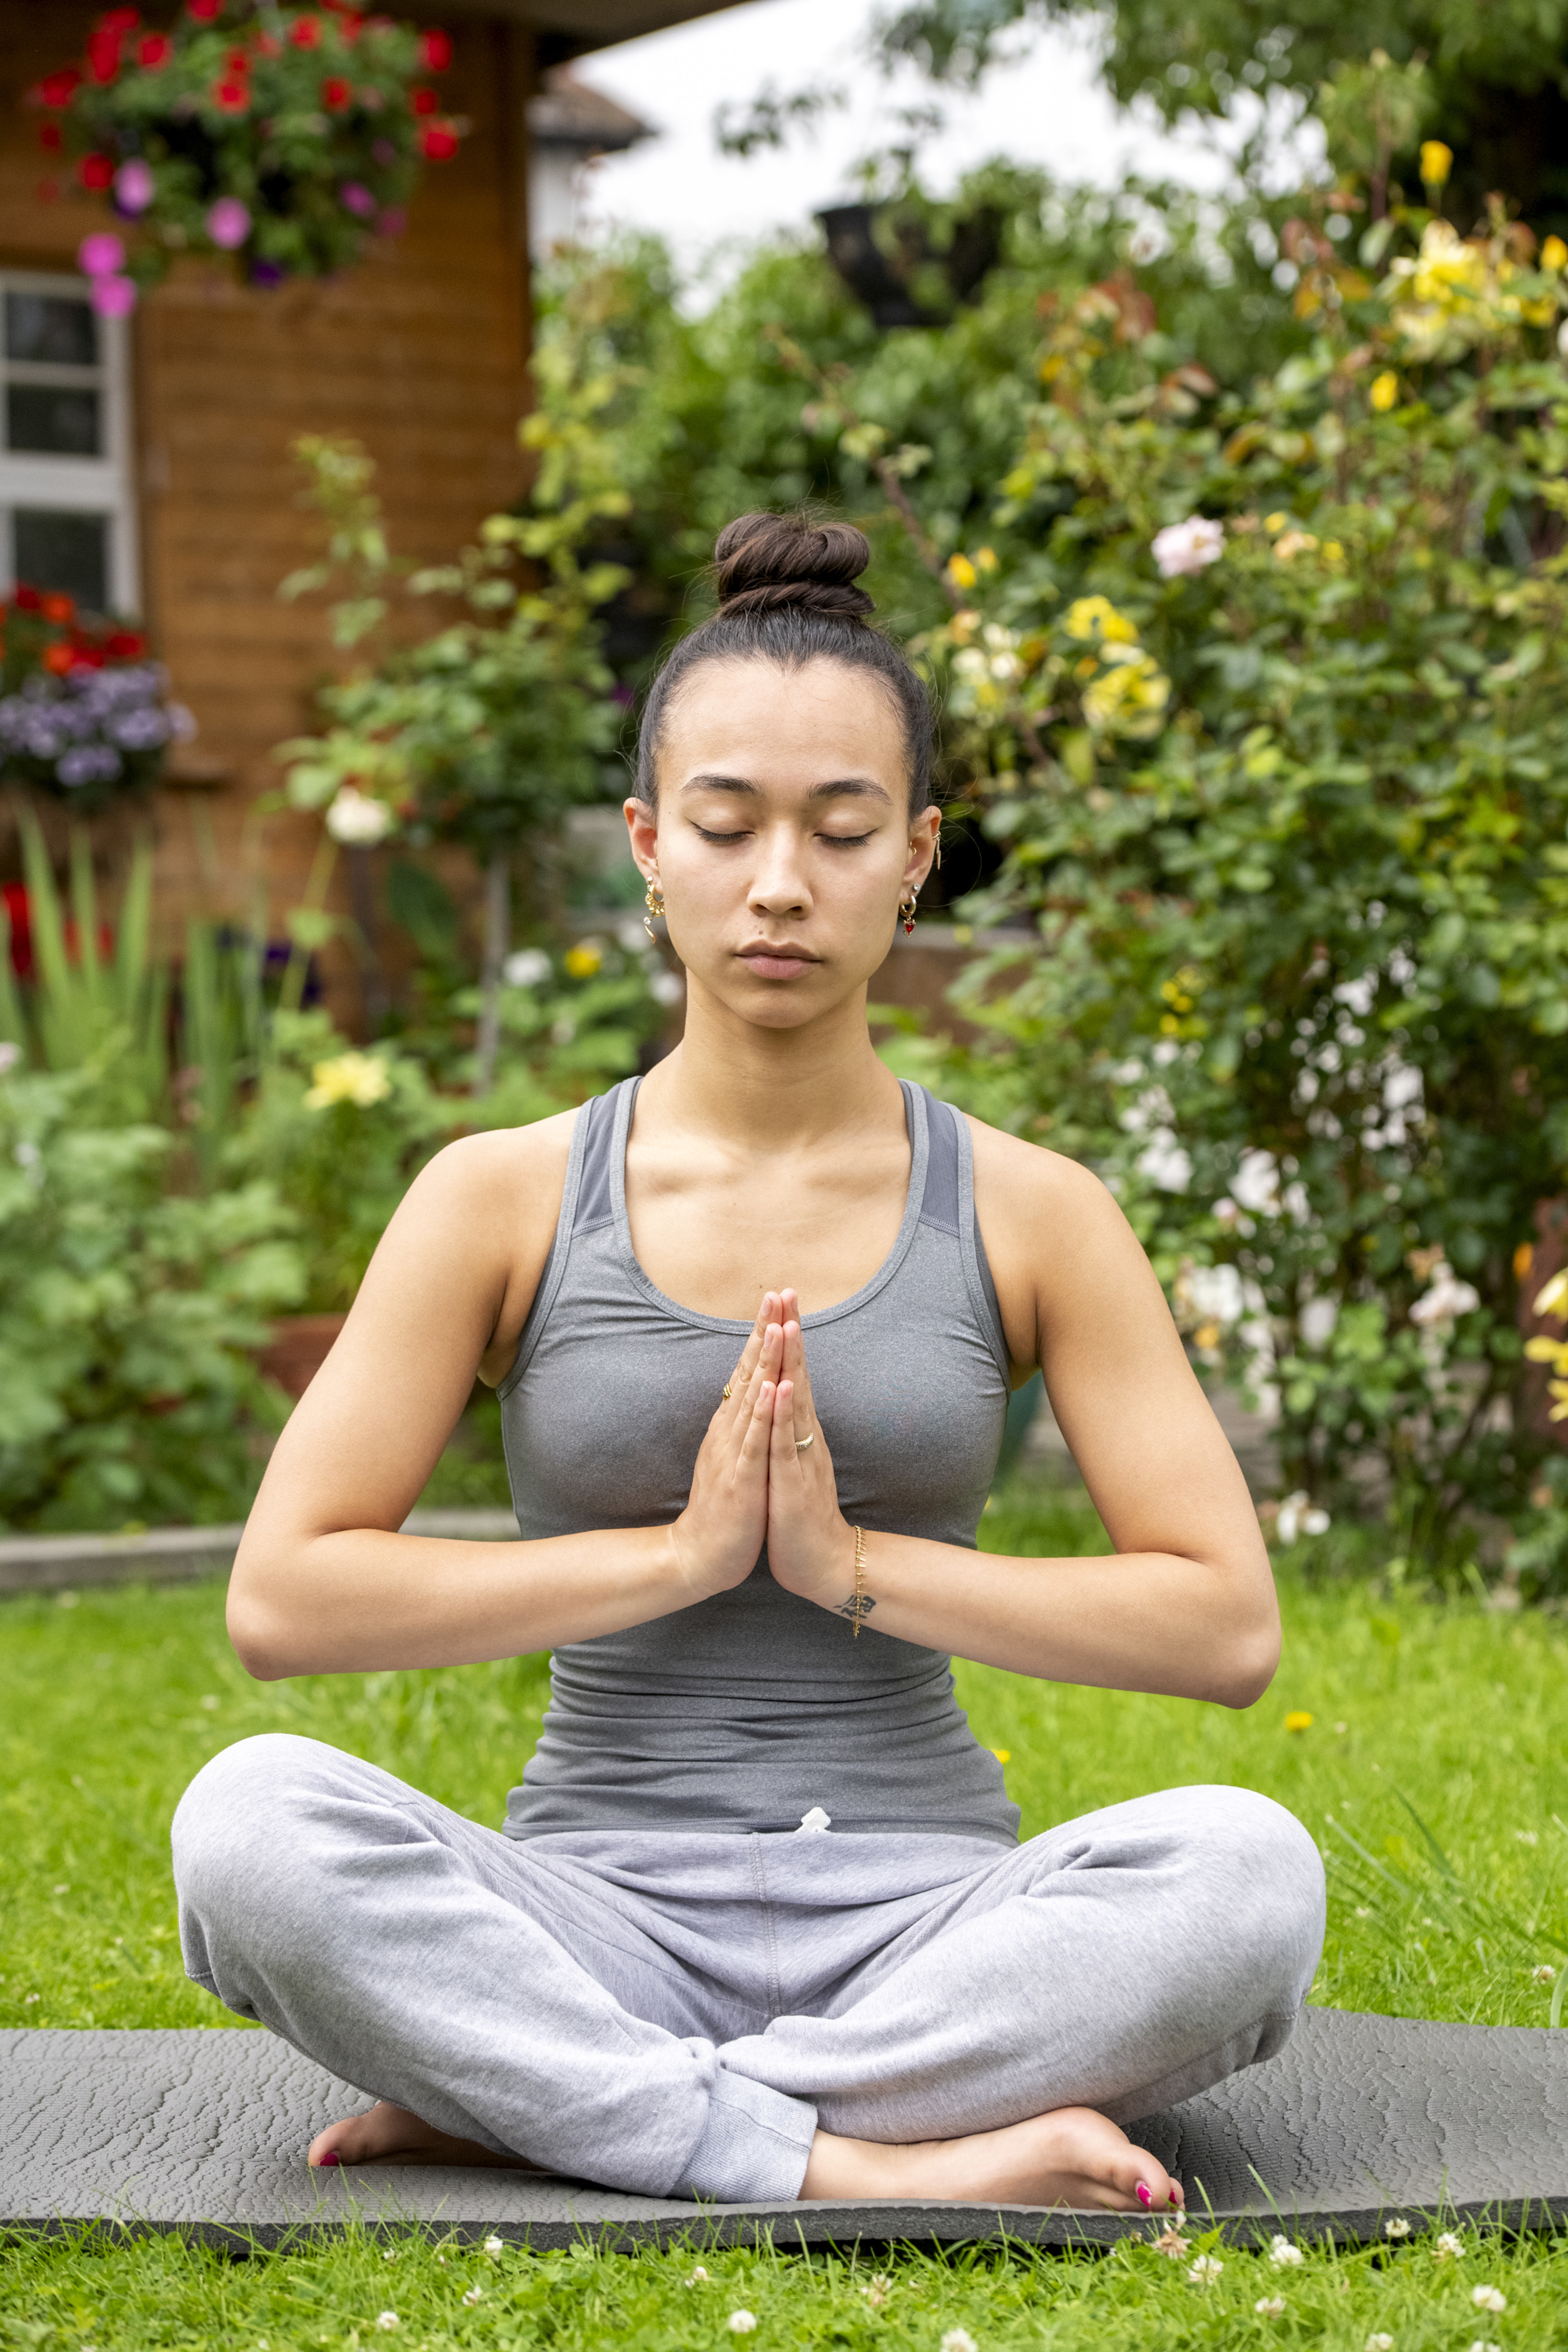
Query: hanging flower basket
[[83, 713], [287, 139]]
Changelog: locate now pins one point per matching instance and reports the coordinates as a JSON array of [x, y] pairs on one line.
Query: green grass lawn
[[1433, 1774]]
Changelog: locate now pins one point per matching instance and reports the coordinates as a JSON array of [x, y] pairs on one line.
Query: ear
[[642, 824], [923, 832]]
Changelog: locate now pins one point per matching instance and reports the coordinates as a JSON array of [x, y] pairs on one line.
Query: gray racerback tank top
[[744, 1711]]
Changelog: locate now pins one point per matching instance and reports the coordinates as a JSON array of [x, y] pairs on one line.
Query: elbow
[[1249, 1663], [259, 1638]]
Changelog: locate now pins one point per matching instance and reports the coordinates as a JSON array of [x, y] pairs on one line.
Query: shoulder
[[507, 1171], [1026, 1179]]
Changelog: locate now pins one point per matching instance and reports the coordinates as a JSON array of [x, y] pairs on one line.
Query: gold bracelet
[[859, 1577]]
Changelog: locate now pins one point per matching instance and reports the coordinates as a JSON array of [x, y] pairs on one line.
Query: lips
[[779, 962]]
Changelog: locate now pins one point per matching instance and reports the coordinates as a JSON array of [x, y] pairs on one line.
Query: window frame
[[97, 485]]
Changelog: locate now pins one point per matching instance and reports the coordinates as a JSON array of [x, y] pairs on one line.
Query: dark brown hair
[[787, 596]]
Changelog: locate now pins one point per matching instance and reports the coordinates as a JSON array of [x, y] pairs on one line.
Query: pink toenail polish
[[1145, 2197], [332, 2156]]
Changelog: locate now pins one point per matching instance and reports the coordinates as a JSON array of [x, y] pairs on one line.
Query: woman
[[758, 1926]]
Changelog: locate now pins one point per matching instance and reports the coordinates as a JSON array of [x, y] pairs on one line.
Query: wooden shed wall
[[420, 352]]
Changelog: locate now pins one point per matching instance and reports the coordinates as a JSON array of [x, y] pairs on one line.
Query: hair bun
[[773, 563]]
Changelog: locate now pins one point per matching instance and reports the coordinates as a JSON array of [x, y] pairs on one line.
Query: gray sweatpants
[[674, 2013]]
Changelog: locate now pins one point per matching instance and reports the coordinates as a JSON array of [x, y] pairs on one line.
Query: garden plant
[[287, 139]]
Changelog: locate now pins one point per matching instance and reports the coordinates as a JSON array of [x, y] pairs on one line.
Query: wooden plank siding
[[420, 352]]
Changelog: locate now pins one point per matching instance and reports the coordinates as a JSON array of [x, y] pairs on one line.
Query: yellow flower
[[357, 1078], [1002, 1755], [1523, 1259], [1297, 1720], [1549, 1300], [1129, 695], [985, 556], [1437, 162], [584, 961], [1293, 543], [1385, 389], [1553, 256], [1332, 552], [1275, 522], [961, 572], [1096, 618], [1208, 1335]]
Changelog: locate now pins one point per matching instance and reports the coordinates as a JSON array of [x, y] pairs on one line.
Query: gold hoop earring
[[654, 901], [907, 913]]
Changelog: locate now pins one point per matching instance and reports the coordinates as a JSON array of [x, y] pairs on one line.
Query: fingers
[[742, 1383]]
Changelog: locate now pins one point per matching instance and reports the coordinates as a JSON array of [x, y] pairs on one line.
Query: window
[[67, 517]]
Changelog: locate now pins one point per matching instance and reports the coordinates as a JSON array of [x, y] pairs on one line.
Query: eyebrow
[[839, 788]]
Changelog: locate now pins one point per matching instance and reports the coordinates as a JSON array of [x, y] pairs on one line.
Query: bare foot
[[1073, 2157], [390, 2134]]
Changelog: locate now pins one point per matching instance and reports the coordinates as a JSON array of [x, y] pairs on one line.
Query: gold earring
[[907, 913], [655, 905]]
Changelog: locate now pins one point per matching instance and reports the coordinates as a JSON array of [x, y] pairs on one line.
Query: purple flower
[[134, 186], [267, 273], [114, 298], [100, 254], [228, 223], [357, 198], [88, 763]]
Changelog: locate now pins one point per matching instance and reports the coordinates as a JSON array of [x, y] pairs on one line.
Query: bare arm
[[1187, 1605], [324, 1583]]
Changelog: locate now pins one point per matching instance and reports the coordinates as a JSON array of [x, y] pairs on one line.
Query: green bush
[[126, 1388], [1285, 795]]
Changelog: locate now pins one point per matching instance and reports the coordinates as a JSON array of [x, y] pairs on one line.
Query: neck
[[777, 1088]]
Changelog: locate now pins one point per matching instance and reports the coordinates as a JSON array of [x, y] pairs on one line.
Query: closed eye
[[844, 840], [706, 835]]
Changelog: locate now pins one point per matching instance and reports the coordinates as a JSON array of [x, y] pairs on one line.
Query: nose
[[779, 885]]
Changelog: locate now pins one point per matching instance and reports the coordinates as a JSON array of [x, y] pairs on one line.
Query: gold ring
[[802, 1443], [726, 1390]]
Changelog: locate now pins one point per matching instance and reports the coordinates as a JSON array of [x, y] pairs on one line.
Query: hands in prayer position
[[763, 1473]]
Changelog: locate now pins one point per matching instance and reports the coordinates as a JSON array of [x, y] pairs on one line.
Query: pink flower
[[100, 254], [228, 223], [134, 186], [357, 198], [114, 298], [1189, 546]]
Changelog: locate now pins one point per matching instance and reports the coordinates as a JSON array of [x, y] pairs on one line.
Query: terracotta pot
[[298, 1348]]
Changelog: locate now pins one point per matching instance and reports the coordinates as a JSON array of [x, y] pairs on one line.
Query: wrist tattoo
[[859, 1605]]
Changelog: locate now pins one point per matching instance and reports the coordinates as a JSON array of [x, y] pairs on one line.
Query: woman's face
[[783, 841]]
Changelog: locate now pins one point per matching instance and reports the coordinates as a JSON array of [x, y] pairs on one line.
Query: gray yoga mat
[[1358, 2120]]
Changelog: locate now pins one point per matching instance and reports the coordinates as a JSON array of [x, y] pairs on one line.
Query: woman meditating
[[758, 1926]]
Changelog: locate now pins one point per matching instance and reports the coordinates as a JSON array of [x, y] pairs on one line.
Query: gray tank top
[[746, 1710]]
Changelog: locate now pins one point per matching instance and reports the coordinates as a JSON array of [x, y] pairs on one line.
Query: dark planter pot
[[299, 1347], [883, 280]]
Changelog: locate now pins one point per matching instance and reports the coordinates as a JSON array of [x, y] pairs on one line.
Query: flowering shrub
[[82, 712], [127, 1388], [1270, 721], [286, 137]]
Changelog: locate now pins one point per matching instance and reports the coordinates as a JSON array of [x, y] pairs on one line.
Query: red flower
[[15, 900], [438, 142], [424, 100], [233, 96], [335, 94], [121, 20], [51, 136], [267, 45], [96, 171], [59, 608], [55, 89], [27, 600], [205, 12], [435, 51], [103, 55], [81, 655], [154, 49], [238, 62], [57, 660], [305, 32], [124, 644]]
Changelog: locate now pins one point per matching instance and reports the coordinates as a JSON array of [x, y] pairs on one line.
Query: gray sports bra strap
[[596, 1188], [589, 1119], [949, 1205]]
